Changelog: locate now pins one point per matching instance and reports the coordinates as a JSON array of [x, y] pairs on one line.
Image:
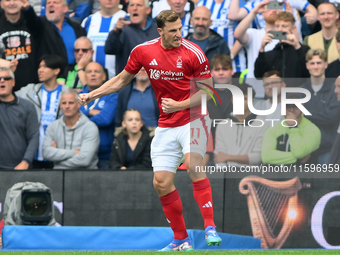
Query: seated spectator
[[100, 111], [131, 148], [127, 34], [325, 39], [288, 56], [97, 32], [271, 79], [19, 127], [333, 69], [74, 75], [334, 157], [291, 141], [72, 141], [45, 97], [56, 32], [240, 144], [209, 41], [221, 72], [323, 104], [139, 95]]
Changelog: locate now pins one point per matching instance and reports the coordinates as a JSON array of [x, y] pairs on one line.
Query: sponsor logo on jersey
[[166, 75], [206, 70]]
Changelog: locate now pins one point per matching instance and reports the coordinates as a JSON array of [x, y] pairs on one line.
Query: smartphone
[[127, 17], [280, 35], [274, 5]]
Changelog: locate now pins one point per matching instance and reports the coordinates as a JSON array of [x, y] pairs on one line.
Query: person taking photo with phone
[[288, 56]]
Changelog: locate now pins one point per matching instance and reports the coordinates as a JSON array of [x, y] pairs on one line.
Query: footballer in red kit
[[170, 71], [174, 66]]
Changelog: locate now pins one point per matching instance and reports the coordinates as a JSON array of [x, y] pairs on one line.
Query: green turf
[[227, 252]]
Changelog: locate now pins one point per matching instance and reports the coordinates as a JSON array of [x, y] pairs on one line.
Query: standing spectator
[[333, 69], [98, 26], [251, 39], [160, 5], [334, 157], [56, 32], [19, 127], [292, 141], [127, 34], [288, 56], [131, 148], [325, 39], [72, 141], [101, 111], [20, 44], [238, 12], [139, 95], [209, 41], [240, 144], [323, 105], [271, 80], [222, 25], [179, 7], [45, 97], [78, 9], [74, 75]]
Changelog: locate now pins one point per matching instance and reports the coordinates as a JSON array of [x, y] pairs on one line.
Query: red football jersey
[[171, 72]]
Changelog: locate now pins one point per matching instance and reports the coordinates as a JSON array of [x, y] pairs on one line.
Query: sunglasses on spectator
[[273, 83], [83, 50], [6, 78]]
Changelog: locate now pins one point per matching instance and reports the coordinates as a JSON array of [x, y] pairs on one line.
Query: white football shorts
[[169, 145]]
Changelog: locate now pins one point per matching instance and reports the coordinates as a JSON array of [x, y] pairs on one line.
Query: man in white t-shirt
[[251, 39], [238, 12]]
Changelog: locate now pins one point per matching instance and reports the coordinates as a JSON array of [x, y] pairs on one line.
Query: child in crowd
[[131, 148]]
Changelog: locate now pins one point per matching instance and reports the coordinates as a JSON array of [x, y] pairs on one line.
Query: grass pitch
[[227, 252]]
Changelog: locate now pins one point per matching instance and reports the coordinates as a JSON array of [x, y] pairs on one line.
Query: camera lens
[[35, 204]]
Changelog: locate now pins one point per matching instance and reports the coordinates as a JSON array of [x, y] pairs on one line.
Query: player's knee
[[160, 184]]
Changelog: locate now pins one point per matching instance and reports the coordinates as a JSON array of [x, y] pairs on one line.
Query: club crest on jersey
[[179, 62]]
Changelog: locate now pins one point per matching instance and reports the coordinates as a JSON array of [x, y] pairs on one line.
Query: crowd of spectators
[[52, 51]]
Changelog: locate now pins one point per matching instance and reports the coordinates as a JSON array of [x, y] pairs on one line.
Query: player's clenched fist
[[84, 98]]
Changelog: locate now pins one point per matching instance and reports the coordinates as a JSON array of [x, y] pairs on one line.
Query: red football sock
[[203, 197], [172, 207]]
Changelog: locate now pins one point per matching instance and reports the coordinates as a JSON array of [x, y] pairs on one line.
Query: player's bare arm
[[169, 105], [111, 86]]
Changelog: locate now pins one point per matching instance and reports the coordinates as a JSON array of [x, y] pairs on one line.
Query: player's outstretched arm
[[111, 86]]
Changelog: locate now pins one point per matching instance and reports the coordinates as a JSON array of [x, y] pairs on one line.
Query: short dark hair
[[54, 62], [166, 16], [221, 59], [271, 73], [244, 88]]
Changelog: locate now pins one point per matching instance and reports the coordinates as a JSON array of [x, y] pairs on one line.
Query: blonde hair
[[316, 52], [285, 16]]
